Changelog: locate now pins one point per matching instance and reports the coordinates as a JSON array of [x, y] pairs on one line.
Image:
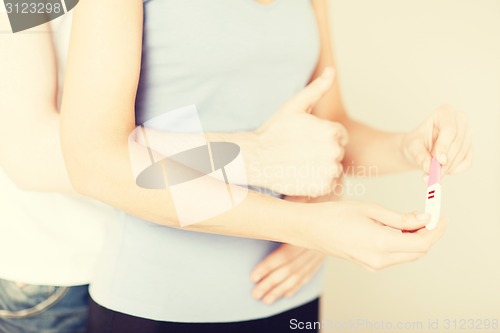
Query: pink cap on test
[[434, 173]]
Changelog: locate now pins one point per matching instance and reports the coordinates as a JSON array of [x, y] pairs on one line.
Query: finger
[[291, 280], [340, 138], [433, 236], [420, 154], [394, 241], [419, 242], [279, 275], [400, 258], [279, 257], [341, 133], [446, 126], [460, 141], [338, 171], [409, 221], [315, 266], [465, 164], [339, 158], [297, 199], [405, 248], [461, 153], [312, 92]]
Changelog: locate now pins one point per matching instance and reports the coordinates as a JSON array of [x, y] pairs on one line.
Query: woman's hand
[[367, 234], [445, 135], [288, 268], [298, 153], [284, 272]]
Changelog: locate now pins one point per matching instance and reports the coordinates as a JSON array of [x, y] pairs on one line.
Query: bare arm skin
[[445, 133], [30, 148], [98, 115]]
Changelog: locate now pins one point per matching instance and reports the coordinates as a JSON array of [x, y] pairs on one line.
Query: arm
[[283, 271], [367, 146], [98, 115], [30, 148], [444, 134], [99, 100]]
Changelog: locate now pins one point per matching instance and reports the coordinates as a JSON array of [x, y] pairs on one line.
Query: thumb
[[409, 221], [307, 97]]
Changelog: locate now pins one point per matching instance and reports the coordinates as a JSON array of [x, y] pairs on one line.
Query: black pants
[[103, 320]]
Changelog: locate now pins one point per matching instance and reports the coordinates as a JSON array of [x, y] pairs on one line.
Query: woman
[[240, 62]]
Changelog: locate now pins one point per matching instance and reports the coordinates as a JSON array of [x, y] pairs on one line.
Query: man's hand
[[298, 153]]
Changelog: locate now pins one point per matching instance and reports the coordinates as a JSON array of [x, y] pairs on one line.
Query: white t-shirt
[[50, 238]]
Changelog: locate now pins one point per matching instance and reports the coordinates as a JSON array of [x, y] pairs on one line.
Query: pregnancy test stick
[[433, 200]]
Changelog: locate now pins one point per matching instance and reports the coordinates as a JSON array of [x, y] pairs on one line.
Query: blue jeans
[[28, 308]]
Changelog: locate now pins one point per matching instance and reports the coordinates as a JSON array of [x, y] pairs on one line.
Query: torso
[[237, 61]]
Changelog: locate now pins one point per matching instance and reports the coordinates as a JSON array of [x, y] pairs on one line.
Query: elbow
[[21, 183], [92, 171], [80, 176], [79, 169], [80, 183], [95, 163], [78, 157], [23, 179]]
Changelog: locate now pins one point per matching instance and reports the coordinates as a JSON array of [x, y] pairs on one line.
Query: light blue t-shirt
[[238, 62]]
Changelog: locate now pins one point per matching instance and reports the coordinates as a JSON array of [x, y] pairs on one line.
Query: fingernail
[[327, 73], [442, 159], [254, 277], [423, 217]]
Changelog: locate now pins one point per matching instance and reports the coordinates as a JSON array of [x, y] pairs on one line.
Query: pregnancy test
[[433, 200]]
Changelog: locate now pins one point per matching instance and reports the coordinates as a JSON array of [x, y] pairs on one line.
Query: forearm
[[111, 181], [30, 150], [373, 149], [32, 157], [170, 143], [367, 147], [98, 116]]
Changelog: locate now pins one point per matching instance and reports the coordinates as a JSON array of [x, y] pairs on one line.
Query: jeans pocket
[[18, 300]]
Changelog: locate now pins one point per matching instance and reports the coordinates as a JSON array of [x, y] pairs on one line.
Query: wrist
[[250, 146], [299, 227], [312, 219]]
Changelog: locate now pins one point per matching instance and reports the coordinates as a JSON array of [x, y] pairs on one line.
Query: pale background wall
[[397, 60]]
